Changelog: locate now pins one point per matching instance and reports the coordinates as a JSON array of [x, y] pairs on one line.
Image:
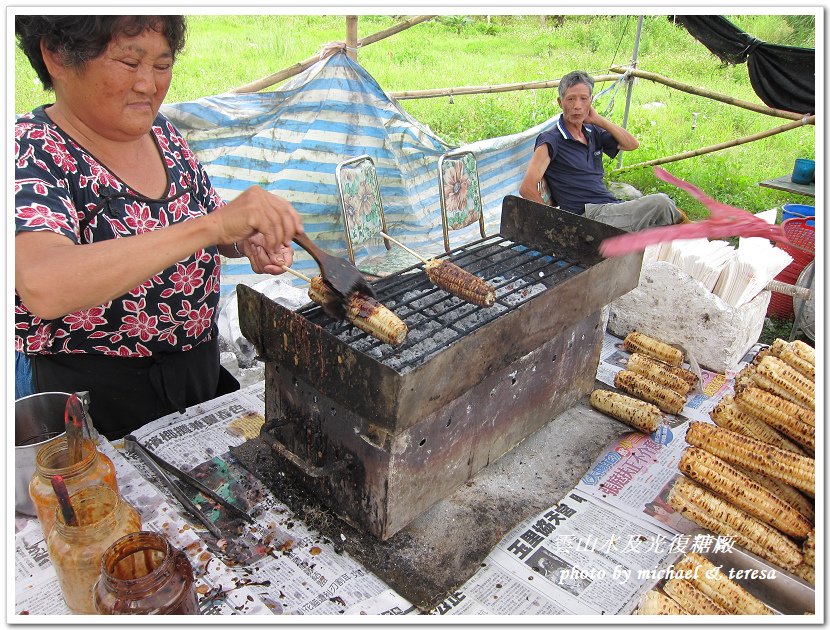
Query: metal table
[[784, 183]]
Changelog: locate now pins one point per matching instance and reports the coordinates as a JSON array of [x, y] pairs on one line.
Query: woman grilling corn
[[118, 230]]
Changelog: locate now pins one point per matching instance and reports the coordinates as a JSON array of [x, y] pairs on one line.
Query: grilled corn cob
[[777, 347], [658, 372], [726, 414], [693, 601], [650, 391], [453, 279], [687, 375], [639, 414], [787, 382], [755, 455], [721, 517], [760, 355], [737, 488], [710, 581], [797, 363], [656, 603], [365, 312], [786, 493], [765, 404], [785, 416], [806, 573], [744, 378], [804, 351], [638, 342], [810, 549]]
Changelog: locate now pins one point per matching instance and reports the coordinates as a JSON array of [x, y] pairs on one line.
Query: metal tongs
[[341, 276], [160, 468]]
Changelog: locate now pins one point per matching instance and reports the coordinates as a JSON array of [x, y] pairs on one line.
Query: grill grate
[[434, 317]]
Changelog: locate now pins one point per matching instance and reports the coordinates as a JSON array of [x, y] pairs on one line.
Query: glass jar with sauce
[[94, 468], [76, 550], [143, 574]]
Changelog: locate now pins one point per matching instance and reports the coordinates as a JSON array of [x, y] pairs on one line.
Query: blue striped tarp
[[289, 141]]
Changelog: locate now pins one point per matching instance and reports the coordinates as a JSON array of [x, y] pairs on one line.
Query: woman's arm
[[54, 276]]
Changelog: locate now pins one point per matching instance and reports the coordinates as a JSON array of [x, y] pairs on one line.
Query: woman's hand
[[260, 218], [262, 261]]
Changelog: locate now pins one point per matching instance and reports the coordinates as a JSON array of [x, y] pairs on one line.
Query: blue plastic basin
[[792, 210]]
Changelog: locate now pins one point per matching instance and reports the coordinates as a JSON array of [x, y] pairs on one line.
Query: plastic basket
[[797, 210], [802, 234]]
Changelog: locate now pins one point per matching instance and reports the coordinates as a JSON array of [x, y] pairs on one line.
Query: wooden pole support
[[718, 147], [690, 89], [351, 37]]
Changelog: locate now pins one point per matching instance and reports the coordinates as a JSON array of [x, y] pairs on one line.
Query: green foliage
[[487, 28], [776, 328], [456, 22], [226, 51], [784, 30]]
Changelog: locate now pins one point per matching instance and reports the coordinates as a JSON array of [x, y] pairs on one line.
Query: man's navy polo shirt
[[575, 173]]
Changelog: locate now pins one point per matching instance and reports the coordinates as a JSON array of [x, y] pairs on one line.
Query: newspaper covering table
[[608, 538], [593, 553], [275, 566]]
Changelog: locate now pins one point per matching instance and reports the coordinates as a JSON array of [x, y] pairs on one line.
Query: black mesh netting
[[783, 77]]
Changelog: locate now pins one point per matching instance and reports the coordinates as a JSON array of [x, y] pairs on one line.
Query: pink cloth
[[725, 221]]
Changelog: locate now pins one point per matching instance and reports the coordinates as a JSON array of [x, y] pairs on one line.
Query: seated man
[[569, 158]]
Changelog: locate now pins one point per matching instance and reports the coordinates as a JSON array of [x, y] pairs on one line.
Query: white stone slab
[[673, 307]]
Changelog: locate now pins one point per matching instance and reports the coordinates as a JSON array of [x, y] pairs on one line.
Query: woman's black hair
[[78, 39]]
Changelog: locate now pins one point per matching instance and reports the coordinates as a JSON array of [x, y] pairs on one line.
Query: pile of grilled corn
[[751, 475], [653, 378], [698, 587]]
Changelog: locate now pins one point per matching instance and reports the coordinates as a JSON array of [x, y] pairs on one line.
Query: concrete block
[[673, 307]]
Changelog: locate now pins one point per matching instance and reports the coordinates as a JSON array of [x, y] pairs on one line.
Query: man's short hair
[[575, 78]]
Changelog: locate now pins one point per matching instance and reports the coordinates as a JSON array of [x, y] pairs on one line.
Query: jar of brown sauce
[[143, 574], [102, 517], [94, 468]]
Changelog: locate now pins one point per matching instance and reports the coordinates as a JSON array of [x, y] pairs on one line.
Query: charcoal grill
[[379, 433]]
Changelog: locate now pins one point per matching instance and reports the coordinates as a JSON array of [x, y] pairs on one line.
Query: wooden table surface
[[784, 183]]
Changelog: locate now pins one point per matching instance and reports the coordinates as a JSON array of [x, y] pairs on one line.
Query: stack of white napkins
[[736, 276], [757, 262], [700, 258]]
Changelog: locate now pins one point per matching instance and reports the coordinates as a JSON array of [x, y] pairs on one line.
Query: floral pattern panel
[[462, 199], [360, 196]]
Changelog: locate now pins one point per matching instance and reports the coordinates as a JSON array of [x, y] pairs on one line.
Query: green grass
[[225, 51]]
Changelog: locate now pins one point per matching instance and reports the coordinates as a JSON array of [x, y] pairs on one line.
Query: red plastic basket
[[804, 237]]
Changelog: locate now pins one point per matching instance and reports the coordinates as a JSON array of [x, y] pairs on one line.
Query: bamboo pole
[[392, 30], [717, 147], [487, 89], [761, 109], [297, 68], [351, 37]]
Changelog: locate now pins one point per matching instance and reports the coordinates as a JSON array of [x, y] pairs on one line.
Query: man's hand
[[625, 141], [594, 118]]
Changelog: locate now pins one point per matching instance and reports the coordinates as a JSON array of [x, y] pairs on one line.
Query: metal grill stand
[[381, 434]]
